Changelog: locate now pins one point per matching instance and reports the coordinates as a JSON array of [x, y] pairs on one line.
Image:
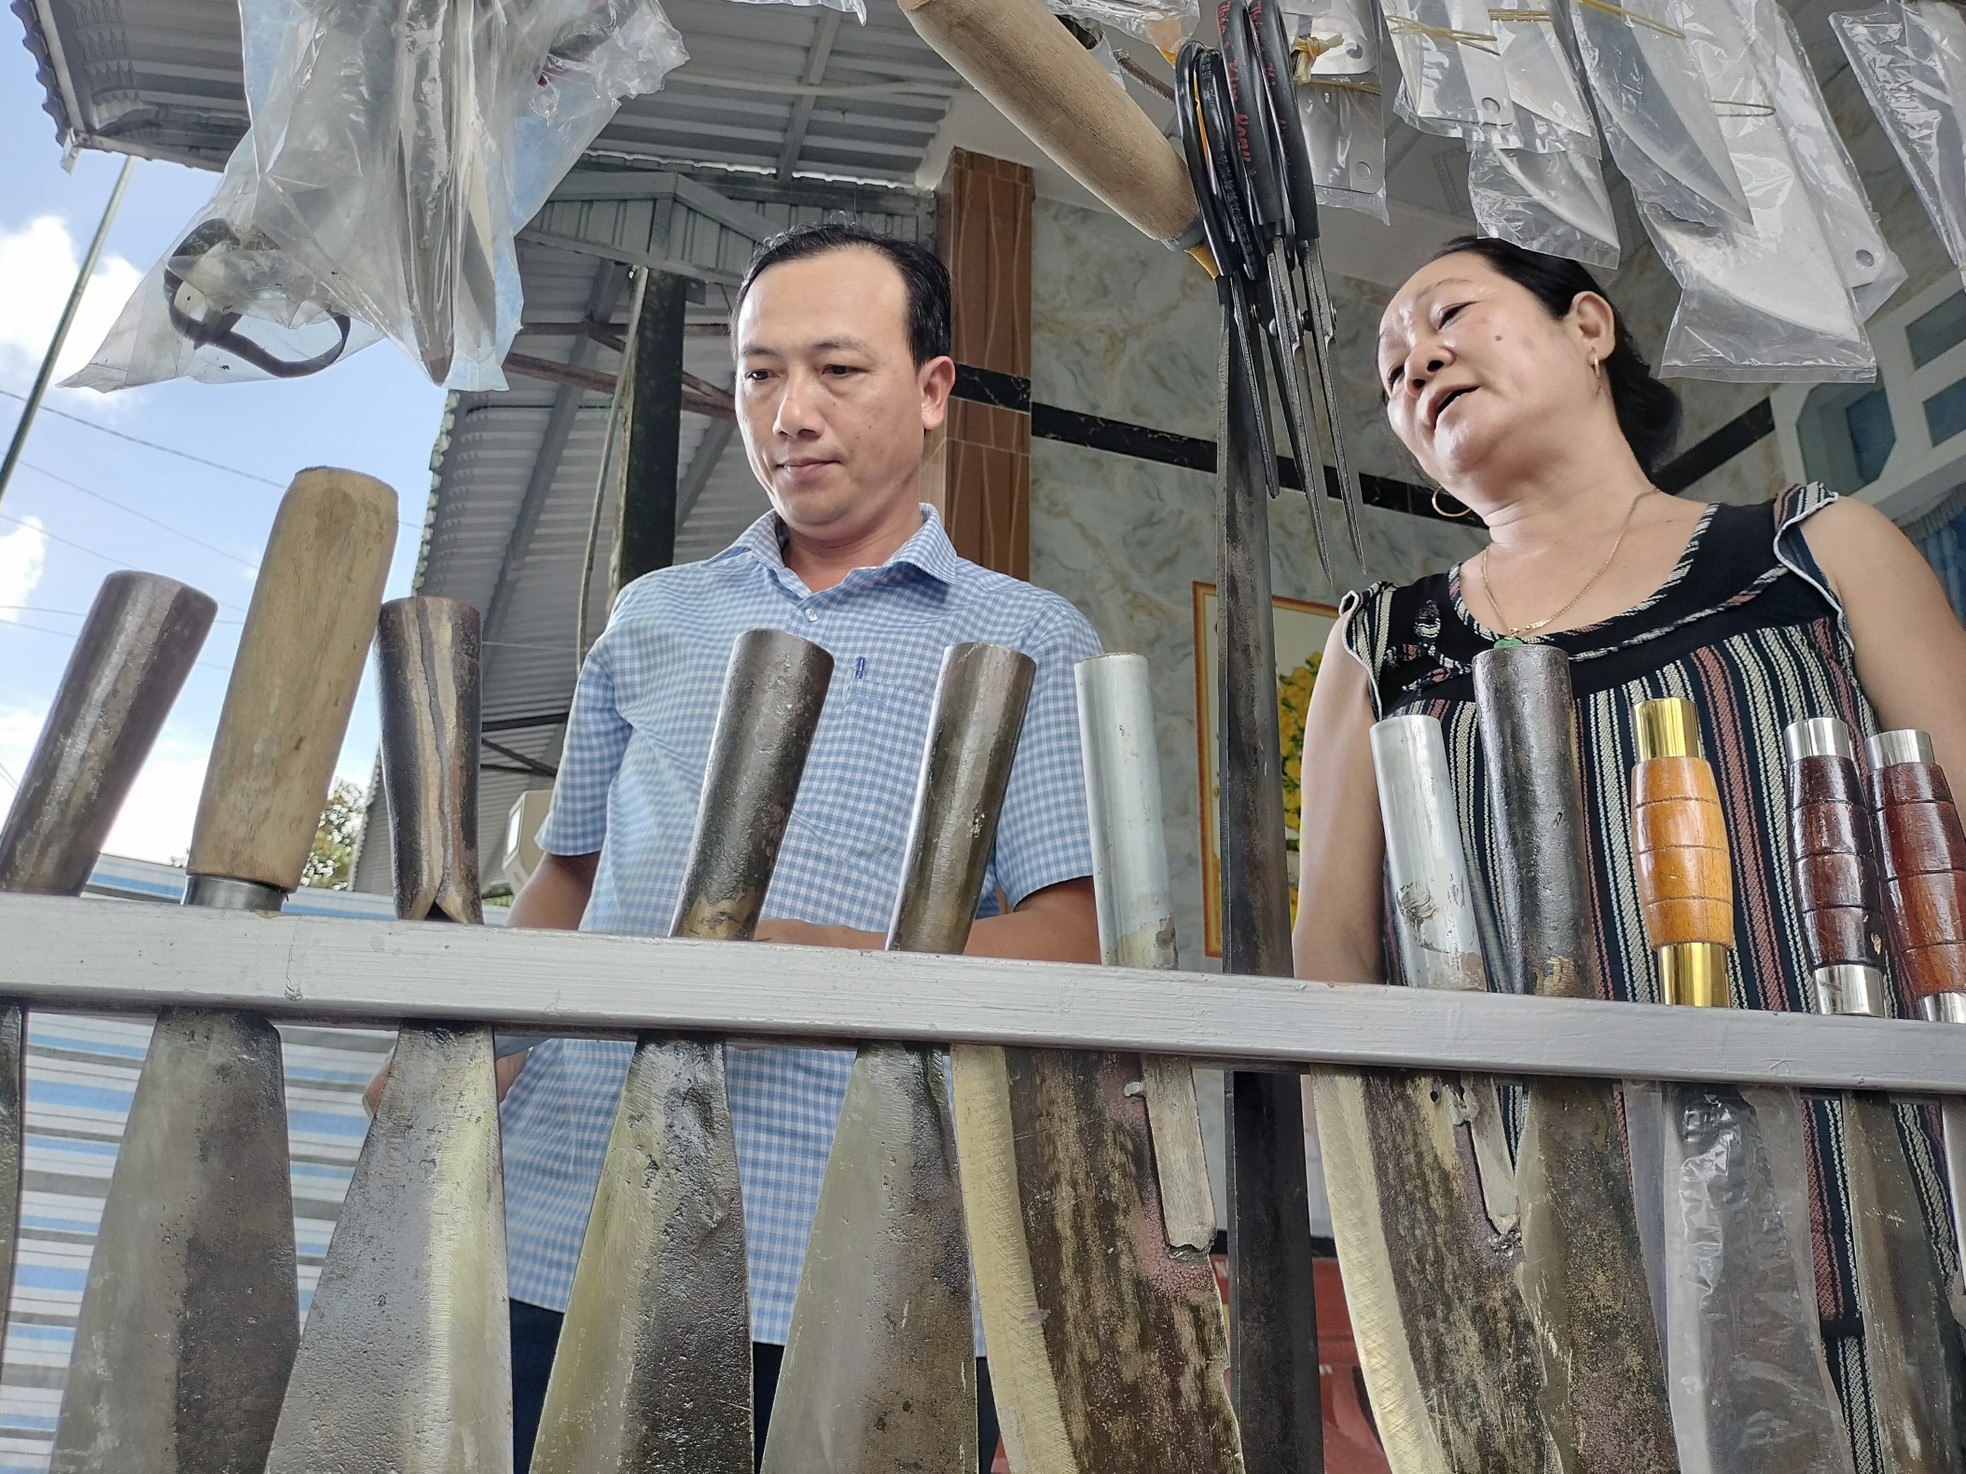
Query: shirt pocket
[[859, 785]]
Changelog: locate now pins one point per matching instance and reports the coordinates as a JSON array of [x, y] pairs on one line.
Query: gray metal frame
[[95, 956]]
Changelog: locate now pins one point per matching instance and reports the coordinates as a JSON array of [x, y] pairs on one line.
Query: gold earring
[[1442, 512]]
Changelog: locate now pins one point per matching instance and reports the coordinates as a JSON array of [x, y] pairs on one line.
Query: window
[[1846, 435], [1933, 332]]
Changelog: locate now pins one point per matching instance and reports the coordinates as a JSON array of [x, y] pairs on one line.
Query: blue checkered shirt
[[628, 787]]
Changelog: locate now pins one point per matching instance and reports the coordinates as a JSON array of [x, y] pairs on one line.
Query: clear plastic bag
[[1344, 124], [1542, 82], [1749, 1385], [1868, 265], [1144, 18], [1767, 302], [1450, 63], [1656, 111], [1333, 38], [396, 148], [1911, 62], [1552, 201]]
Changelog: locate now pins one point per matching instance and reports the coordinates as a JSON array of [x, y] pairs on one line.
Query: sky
[[85, 502]]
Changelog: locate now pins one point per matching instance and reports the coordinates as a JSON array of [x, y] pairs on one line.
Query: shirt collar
[[929, 550]]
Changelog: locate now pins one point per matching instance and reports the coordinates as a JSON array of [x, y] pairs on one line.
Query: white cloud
[[155, 822], [38, 262], [23, 554]]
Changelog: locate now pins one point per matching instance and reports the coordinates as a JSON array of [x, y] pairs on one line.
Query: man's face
[[831, 402]]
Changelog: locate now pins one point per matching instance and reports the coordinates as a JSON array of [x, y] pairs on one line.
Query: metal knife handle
[[1130, 885], [774, 689], [427, 660], [972, 741], [1018, 56], [1923, 858], [294, 680], [1433, 906], [1685, 881], [1833, 859], [1536, 801], [142, 636]]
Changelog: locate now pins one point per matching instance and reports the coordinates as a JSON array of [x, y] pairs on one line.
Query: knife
[[1743, 1342], [1419, 1177], [653, 1371], [1899, 1284], [131, 659], [879, 1370], [190, 1317], [1583, 1270], [406, 1363], [1107, 1346]]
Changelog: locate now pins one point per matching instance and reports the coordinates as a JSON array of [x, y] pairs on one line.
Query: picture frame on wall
[[1301, 631]]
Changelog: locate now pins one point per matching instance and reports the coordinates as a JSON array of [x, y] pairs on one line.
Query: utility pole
[[41, 379]]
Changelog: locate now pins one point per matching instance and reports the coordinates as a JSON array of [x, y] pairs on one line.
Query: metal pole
[[68, 312]]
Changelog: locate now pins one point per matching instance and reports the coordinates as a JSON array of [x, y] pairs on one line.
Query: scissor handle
[[1254, 132], [1922, 850], [1299, 173]]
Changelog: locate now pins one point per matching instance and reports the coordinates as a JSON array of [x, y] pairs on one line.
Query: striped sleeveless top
[[1746, 626]]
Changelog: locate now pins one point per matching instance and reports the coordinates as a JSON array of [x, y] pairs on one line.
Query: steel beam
[[823, 37]]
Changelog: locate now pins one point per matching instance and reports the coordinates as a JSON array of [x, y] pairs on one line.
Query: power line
[[76, 613], [71, 636], [71, 543], [169, 450], [132, 511]]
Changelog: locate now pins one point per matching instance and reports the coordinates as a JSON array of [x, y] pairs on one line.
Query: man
[[843, 369]]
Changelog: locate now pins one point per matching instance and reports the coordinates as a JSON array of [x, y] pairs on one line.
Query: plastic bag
[[1868, 265], [1450, 63], [1911, 62], [396, 148], [1749, 1385], [1767, 302], [1656, 111], [1340, 106], [1147, 19], [1542, 82], [1552, 201]]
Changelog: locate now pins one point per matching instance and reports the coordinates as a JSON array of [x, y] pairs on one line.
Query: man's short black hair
[[922, 273]]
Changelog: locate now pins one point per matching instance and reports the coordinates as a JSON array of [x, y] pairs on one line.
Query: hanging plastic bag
[[1911, 62], [1335, 51], [396, 149], [1553, 201], [1157, 21], [1766, 302], [1656, 110], [1542, 82], [1450, 64], [1869, 267]]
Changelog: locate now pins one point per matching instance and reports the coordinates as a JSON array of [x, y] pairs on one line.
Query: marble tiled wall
[[1125, 329]]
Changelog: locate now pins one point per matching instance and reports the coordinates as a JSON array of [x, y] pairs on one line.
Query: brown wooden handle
[[1923, 857], [1017, 55], [294, 680], [1834, 863], [1685, 883]]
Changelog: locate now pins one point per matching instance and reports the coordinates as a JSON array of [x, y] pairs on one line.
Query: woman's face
[[1478, 377]]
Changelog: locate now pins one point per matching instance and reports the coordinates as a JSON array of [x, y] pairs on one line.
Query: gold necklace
[[1512, 635]]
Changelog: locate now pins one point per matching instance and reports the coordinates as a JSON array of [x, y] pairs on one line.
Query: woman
[[1514, 384]]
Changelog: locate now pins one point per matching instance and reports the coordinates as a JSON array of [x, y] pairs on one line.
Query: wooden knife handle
[[1833, 859], [1017, 55], [294, 680], [1923, 858], [1686, 887], [428, 658]]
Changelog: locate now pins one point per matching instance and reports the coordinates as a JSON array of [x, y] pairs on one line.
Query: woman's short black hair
[[1648, 411], [922, 273]]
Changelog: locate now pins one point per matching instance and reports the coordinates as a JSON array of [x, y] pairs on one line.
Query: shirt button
[[813, 615]]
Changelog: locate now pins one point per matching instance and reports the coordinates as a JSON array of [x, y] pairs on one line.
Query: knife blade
[[406, 1362], [1743, 1343], [879, 1370], [134, 652], [653, 1371], [1583, 1269], [190, 1318]]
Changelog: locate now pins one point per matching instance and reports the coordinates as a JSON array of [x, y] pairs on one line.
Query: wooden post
[[978, 471], [645, 521]]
